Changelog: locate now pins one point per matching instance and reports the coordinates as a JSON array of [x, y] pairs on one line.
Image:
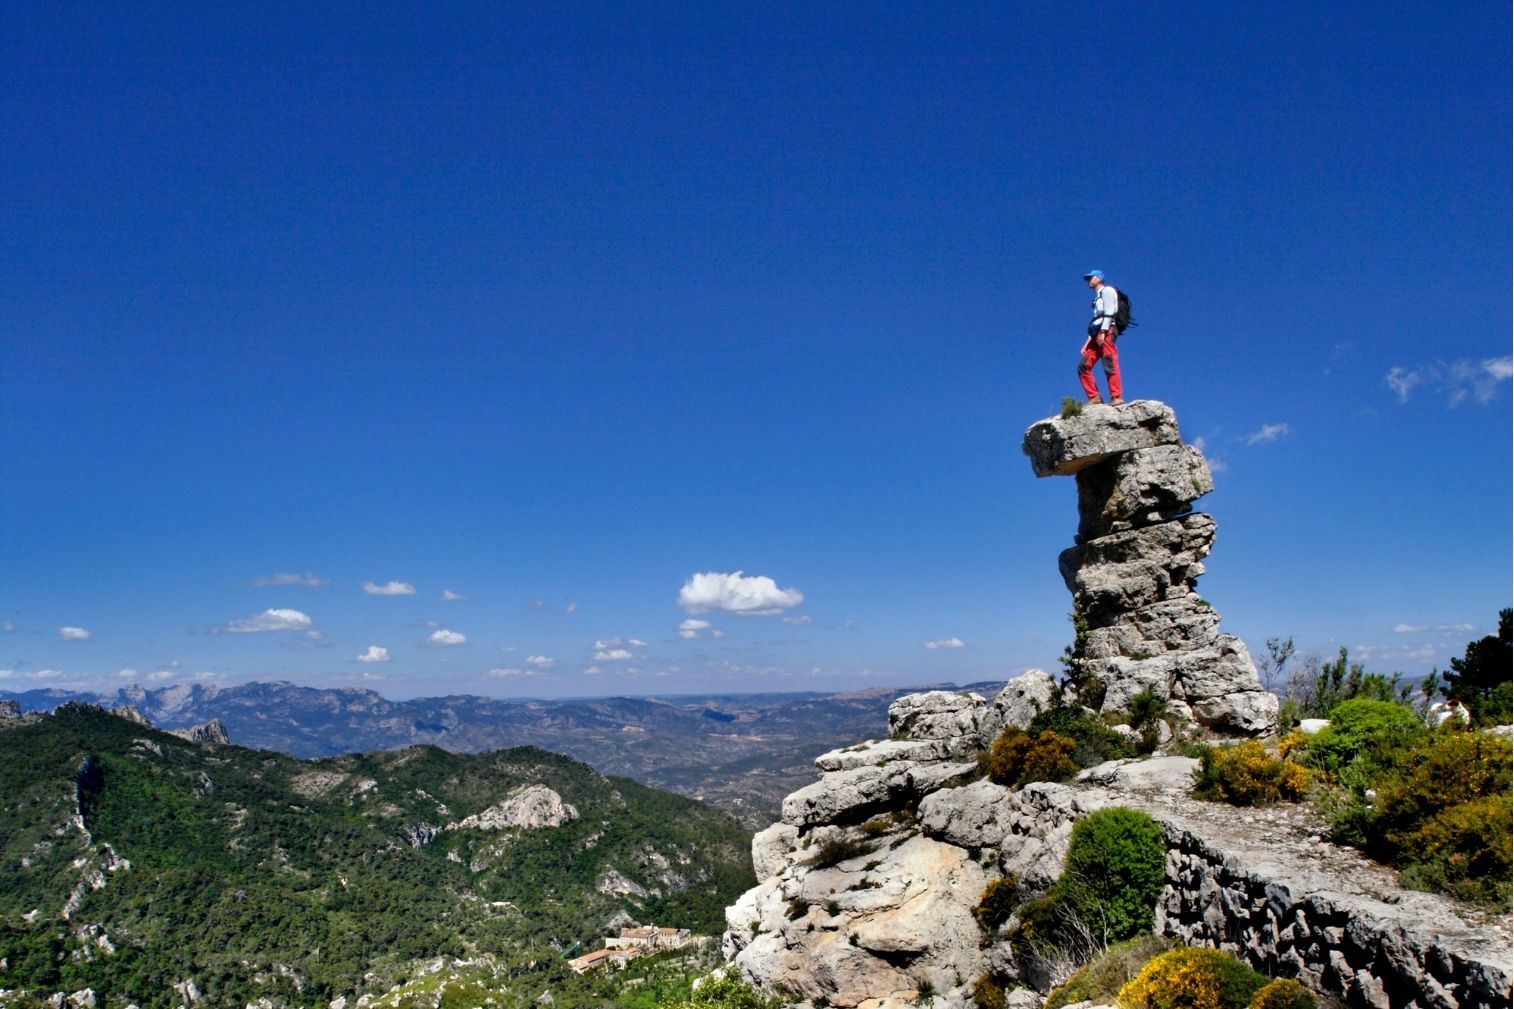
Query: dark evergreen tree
[[1481, 678]]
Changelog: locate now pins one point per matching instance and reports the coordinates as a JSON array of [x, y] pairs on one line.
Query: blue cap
[[1094, 273]]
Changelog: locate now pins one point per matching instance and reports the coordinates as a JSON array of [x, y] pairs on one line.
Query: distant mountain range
[[742, 753], [159, 871]]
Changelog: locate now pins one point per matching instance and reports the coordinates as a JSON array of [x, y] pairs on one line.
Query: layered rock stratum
[[1133, 569]]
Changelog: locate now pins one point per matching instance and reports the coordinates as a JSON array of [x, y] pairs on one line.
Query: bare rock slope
[[867, 885]]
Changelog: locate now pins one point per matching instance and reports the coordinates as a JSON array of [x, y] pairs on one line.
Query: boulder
[[1061, 446], [978, 815], [1021, 700], [943, 715]]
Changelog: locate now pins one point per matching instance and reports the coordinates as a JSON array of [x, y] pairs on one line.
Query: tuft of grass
[[1070, 408]]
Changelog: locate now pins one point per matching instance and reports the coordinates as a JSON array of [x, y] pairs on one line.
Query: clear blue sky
[[554, 308]]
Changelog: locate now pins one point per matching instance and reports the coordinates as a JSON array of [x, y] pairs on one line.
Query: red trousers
[[1100, 348]]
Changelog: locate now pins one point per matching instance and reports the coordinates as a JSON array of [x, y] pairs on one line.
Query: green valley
[[154, 870]]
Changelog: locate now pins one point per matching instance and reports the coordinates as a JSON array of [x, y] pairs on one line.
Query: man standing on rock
[[1101, 339]]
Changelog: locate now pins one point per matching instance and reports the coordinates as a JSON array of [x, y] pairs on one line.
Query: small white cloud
[[593, 671], [799, 620], [375, 653], [690, 628], [446, 639], [1457, 380], [126, 673], [943, 643], [1433, 628], [735, 593], [635, 643], [270, 620], [571, 608], [541, 662], [284, 578], [389, 589], [509, 672], [158, 676], [74, 634], [448, 596], [612, 655], [1265, 434]]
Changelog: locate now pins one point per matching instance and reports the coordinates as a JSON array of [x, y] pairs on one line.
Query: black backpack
[[1122, 312]]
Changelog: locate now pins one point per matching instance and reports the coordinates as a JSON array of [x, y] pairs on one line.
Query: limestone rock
[[838, 796], [212, 731], [1021, 700], [1140, 488], [10, 709], [771, 848], [853, 795], [529, 807], [1121, 572], [1132, 572], [1060, 446], [881, 926], [942, 715], [885, 751], [1162, 774], [131, 714]]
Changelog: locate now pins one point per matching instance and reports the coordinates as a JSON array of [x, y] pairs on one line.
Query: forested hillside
[[136, 863]]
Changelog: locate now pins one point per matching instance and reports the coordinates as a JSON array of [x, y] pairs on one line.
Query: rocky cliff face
[[1132, 571], [867, 885]]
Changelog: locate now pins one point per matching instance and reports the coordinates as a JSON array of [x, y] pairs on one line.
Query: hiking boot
[[1117, 401], [1095, 400]]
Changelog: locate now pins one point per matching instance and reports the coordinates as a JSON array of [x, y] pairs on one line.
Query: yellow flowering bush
[[1284, 993], [1247, 775], [1193, 978]]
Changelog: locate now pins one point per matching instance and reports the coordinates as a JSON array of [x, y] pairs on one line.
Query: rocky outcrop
[[206, 732], [527, 807], [873, 909], [1132, 571], [9, 710]]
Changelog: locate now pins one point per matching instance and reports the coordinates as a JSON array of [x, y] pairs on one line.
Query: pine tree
[[1481, 679]]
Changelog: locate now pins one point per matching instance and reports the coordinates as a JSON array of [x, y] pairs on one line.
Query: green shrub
[[837, 848], [1101, 979], [1116, 865], [1070, 408], [1362, 734], [1442, 815], [1283, 993], [1247, 775], [998, 903], [725, 993], [1094, 741], [988, 992], [1147, 712], [1193, 978], [1463, 851], [1018, 758]]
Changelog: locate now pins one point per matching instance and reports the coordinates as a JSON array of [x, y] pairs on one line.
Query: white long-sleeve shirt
[[1106, 302]]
